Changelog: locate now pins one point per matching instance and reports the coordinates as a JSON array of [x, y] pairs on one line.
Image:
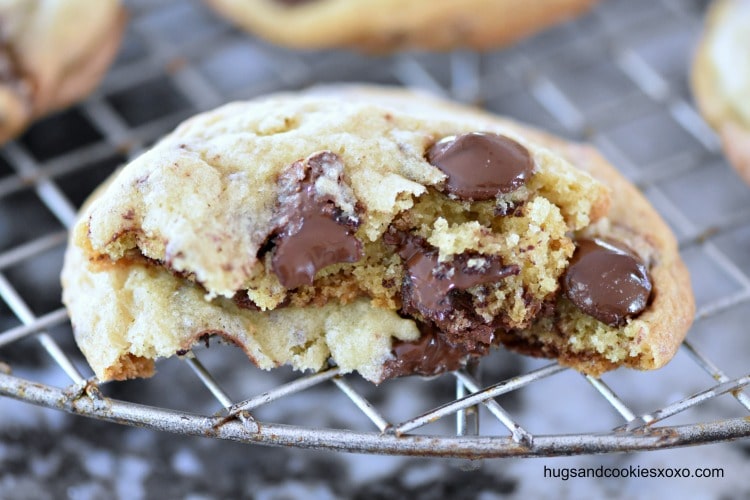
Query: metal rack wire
[[534, 80]]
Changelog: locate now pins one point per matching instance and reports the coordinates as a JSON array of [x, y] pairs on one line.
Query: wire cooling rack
[[615, 77]]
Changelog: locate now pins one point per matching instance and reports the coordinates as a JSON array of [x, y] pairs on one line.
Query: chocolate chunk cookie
[[382, 25], [52, 54], [389, 232], [721, 78]]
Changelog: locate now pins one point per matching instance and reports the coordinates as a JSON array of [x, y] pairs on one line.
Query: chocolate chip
[[431, 281], [434, 294], [481, 166], [430, 355], [607, 281], [313, 231], [319, 242]]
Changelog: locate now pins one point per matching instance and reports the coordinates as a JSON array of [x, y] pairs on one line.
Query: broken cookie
[[388, 232]]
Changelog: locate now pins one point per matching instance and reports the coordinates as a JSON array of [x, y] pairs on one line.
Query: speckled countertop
[[616, 77]]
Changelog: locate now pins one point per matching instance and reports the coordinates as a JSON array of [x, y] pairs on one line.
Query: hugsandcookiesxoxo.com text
[[634, 471]]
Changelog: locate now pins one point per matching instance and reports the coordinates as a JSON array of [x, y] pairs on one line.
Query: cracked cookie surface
[[336, 224]]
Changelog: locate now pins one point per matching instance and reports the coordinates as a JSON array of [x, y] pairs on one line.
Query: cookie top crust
[[203, 200], [52, 53]]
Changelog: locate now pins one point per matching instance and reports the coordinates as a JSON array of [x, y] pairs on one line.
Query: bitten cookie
[[52, 54], [382, 25], [389, 232], [721, 78]]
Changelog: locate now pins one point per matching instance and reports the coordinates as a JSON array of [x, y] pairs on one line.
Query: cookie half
[[721, 78], [52, 54], [383, 25], [389, 232]]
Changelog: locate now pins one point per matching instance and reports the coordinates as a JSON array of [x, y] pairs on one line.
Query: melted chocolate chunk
[[434, 294], [435, 291], [431, 282], [481, 166], [320, 242], [607, 281], [430, 355], [313, 231]]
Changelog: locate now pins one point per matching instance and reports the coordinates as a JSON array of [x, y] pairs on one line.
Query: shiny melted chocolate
[[431, 282], [607, 281], [481, 166], [430, 355], [315, 233], [434, 293]]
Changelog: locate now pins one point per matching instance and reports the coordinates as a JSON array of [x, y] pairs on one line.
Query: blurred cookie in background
[[52, 53], [721, 78], [385, 25]]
